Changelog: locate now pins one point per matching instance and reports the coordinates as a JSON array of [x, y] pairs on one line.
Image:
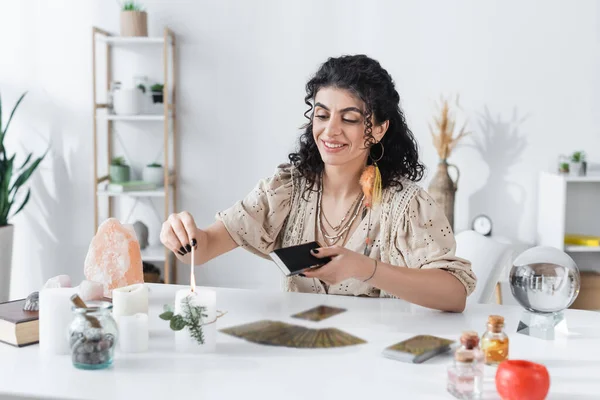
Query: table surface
[[240, 368]]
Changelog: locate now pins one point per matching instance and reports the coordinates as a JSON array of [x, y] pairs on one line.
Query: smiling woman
[[400, 245]]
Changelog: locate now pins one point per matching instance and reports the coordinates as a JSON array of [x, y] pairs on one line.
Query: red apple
[[522, 380]]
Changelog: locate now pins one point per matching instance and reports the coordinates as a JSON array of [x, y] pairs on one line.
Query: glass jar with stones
[[93, 336]]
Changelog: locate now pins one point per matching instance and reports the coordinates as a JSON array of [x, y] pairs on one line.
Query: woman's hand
[[179, 233], [344, 264]]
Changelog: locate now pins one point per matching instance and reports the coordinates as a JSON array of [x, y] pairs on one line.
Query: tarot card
[[319, 313]]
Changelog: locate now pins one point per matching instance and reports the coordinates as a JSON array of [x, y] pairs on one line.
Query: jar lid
[[469, 339], [496, 320]]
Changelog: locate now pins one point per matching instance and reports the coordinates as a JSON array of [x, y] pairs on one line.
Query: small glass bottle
[[494, 341], [93, 335], [465, 375]]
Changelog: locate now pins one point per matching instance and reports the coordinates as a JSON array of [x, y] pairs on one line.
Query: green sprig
[[192, 317]]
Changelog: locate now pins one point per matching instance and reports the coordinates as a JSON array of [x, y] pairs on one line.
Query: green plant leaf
[[3, 131], [177, 323], [23, 203], [26, 161], [167, 315], [5, 176], [25, 175]]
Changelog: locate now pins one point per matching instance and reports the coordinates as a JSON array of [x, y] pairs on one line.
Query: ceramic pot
[[134, 23], [119, 173], [6, 245], [154, 175]]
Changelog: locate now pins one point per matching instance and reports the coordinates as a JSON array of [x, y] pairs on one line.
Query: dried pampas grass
[[443, 132]]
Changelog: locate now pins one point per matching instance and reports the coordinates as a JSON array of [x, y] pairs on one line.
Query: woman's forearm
[[432, 288], [211, 243]]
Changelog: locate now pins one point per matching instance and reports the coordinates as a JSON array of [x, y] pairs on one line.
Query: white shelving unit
[[155, 253], [133, 118], [568, 205], [127, 41], [168, 191]]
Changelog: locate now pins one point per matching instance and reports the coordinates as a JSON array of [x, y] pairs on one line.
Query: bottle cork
[[496, 323], [469, 339]]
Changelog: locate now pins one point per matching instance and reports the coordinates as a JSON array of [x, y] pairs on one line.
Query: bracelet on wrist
[[373, 274]]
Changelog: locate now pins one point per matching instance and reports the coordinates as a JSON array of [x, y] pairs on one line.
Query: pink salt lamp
[[90, 290], [114, 257]]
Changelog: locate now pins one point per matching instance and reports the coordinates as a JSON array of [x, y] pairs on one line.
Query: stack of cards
[[277, 333], [418, 348]]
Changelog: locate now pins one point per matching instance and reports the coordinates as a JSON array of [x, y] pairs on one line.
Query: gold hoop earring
[[382, 152]]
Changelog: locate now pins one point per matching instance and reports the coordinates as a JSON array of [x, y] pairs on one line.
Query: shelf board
[[582, 249], [154, 253], [160, 192], [139, 117], [589, 178], [128, 41]]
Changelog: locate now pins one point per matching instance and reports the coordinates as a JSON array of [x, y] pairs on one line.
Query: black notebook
[[296, 259]]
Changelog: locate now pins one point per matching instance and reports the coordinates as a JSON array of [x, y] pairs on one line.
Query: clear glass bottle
[[93, 336], [465, 375], [494, 342]]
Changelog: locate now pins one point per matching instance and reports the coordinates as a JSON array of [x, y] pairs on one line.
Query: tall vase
[[443, 189], [6, 244]]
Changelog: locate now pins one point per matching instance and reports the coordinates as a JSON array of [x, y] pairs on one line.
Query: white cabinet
[[569, 205]]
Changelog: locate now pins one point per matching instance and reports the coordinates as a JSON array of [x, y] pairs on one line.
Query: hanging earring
[[370, 180]]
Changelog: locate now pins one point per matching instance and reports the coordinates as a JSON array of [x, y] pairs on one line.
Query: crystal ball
[[544, 279]]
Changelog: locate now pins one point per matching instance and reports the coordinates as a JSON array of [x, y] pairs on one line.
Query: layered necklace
[[340, 230]]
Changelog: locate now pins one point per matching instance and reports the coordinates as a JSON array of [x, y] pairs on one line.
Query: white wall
[[526, 72]]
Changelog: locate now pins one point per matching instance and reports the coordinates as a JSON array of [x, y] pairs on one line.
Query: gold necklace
[[338, 227], [343, 229]]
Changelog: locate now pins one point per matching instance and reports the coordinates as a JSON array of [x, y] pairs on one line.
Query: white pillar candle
[[200, 297], [133, 333], [130, 300], [55, 316]]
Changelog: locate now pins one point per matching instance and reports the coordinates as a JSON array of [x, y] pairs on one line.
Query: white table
[[241, 369]]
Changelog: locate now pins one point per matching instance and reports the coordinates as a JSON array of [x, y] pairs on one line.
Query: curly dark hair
[[367, 80]]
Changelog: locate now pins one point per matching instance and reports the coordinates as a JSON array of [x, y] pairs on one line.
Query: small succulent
[[120, 161], [131, 6], [154, 165], [157, 87], [578, 156]]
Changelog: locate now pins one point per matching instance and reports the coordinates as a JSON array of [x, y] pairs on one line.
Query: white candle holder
[[54, 318], [133, 333], [130, 300], [194, 321]]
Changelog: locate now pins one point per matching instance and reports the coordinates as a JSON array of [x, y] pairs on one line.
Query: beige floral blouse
[[408, 230]]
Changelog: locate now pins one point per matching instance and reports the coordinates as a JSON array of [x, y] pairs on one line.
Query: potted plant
[[134, 20], [157, 92], [442, 187], [119, 170], [563, 168], [12, 178], [154, 173], [576, 166], [127, 100]]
